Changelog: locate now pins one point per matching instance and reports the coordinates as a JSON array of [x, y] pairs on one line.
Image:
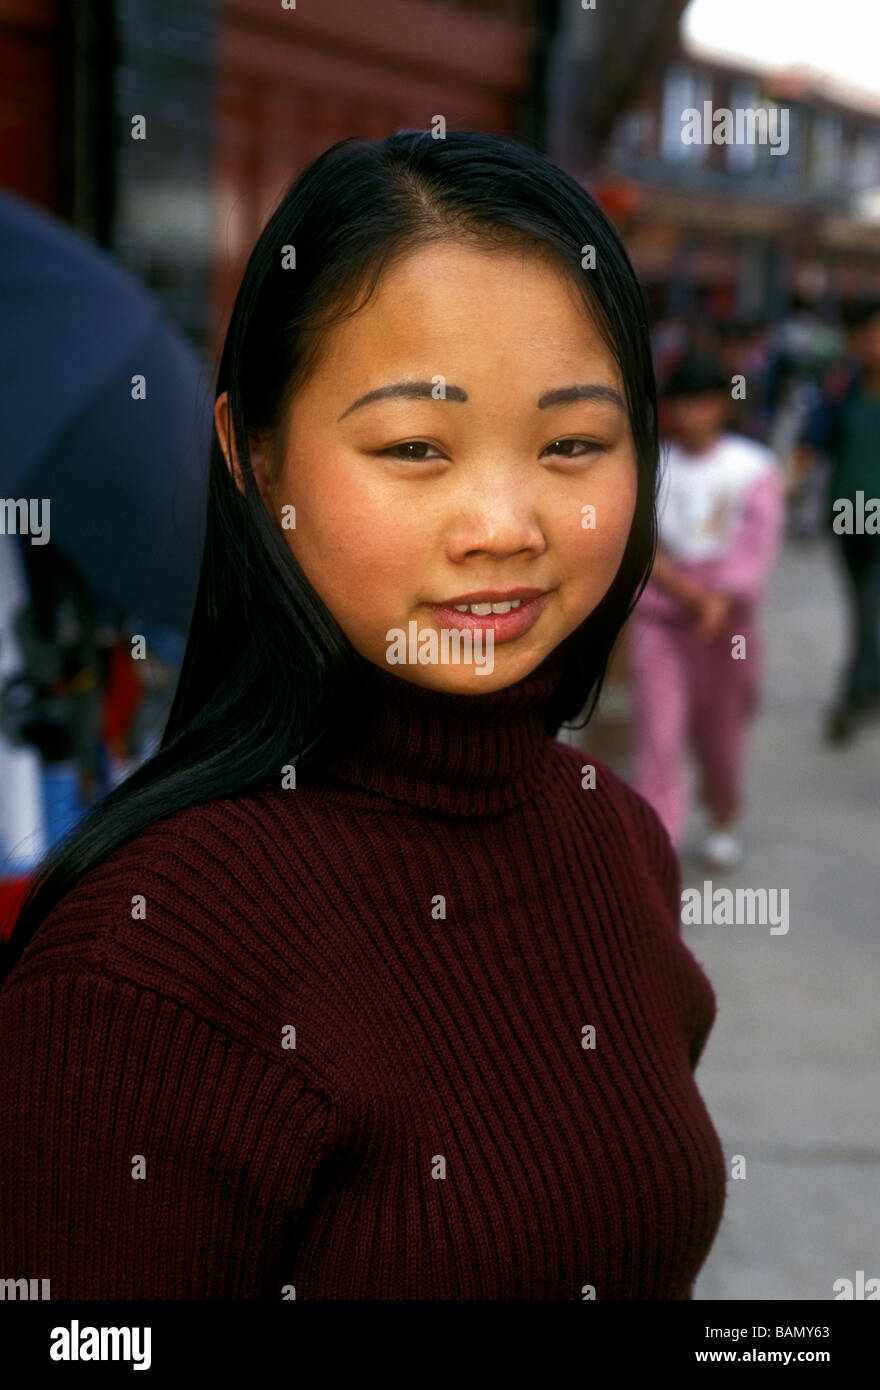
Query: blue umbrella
[[126, 478]]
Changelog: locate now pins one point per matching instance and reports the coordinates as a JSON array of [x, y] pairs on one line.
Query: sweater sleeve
[[144, 1154], [744, 569]]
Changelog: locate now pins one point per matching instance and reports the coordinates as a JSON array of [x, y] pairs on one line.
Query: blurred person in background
[[844, 428], [50, 699], [721, 520], [803, 347], [743, 349], [22, 826], [77, 711], [138, 694]]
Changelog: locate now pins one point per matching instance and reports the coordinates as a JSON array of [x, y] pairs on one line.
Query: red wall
[[29, 93], [291, 82]]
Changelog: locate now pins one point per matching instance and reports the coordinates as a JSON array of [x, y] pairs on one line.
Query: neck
[[453, 753], [699, 445]]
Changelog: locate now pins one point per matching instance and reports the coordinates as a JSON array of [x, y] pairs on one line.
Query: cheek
[[613, 495], [354, 546], [597, 549]]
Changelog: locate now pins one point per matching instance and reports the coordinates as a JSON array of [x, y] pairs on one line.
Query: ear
[[255, 447]]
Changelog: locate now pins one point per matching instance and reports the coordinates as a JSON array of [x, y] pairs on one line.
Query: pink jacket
[[745, 566]]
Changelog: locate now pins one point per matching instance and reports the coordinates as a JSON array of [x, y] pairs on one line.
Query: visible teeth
[[482, 610]]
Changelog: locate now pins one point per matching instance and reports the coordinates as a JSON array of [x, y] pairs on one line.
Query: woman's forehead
[[451, 305]]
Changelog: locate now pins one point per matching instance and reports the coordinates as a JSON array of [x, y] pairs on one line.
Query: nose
[[498, 518]]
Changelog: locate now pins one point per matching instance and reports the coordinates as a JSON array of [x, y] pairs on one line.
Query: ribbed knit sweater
[[421, 1027]]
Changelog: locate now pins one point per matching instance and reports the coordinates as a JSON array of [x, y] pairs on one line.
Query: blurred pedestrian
[[51, 701], [743, 350], [694, 648], [23, 840], [845, 427]]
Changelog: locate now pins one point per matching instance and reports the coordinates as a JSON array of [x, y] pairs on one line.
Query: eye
[[393, 451], [561, 447]]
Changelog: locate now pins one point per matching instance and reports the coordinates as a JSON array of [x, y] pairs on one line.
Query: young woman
[[365, 986]]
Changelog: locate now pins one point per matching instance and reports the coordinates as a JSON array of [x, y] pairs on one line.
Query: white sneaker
[[723, 849]]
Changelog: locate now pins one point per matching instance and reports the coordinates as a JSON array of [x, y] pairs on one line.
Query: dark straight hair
[[267, 675]]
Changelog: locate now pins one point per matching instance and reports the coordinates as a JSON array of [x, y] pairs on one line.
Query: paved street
[[791, 1073]]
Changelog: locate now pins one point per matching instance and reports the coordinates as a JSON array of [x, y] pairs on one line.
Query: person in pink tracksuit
[[694, 647]]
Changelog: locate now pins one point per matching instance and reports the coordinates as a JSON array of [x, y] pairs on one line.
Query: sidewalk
[[790, 1073]]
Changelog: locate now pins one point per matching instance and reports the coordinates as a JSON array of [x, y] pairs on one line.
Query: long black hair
[[267, 673]]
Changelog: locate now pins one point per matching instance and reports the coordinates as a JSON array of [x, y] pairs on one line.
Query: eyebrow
[[423, 390], [591, 391]]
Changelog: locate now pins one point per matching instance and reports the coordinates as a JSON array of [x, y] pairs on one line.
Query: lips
[[506, 627], [491, 596]]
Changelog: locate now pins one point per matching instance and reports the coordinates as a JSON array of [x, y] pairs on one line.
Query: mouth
[[490, 596], [507, 617]]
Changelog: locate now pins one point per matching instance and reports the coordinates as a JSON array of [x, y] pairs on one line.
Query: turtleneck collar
[[459, 754]]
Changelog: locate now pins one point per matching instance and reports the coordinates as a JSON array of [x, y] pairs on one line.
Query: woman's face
[[405, 502]]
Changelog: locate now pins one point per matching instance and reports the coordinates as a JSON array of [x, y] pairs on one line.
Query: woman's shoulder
[[181, 858], [200, 907], [639, 855], [627, 823]]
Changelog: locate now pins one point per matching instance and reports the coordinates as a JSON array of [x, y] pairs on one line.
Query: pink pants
[[690, 694]]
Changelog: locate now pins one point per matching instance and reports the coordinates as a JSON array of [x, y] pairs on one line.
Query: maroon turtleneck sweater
[[338, 1039]]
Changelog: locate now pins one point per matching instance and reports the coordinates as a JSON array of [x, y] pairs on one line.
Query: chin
[[474, 679]]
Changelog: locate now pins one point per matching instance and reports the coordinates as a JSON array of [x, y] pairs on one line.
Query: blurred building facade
[[734, 226], [73, 77], [238, 97], [291, 83]]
